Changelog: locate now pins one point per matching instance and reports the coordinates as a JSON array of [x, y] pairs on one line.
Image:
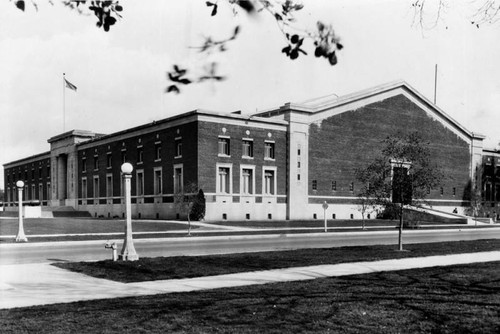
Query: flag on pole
[[70, 85]]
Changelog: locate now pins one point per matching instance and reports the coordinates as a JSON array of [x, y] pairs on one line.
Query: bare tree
[[429, 13], [473, 194], [365, 201]]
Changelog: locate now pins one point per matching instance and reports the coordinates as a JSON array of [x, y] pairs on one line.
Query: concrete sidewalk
[[39, 284]]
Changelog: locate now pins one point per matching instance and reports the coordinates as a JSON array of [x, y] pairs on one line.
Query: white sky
[[121, 75]]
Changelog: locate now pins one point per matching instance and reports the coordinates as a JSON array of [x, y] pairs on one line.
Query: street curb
[[235, 237]]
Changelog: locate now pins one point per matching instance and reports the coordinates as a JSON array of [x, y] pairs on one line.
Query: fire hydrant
[[112, 246]]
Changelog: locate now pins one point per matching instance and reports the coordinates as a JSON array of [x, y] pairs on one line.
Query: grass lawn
[[455, 299], [160, 268], [44, 227], [83, 225]]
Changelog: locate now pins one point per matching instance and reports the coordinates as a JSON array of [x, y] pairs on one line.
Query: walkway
[[40, 284]]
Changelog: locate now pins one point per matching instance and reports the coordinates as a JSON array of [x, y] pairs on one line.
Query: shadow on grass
[[455, 299], [162, 268]]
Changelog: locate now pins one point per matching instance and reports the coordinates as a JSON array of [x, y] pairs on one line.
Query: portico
[[64, 163]]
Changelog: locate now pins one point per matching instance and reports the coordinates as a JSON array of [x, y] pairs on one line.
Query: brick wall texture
[[209, 132], [341, 143]]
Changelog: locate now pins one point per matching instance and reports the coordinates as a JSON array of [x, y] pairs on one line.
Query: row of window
[[139, 155], [247, 151], [314, 186], [491, 193], [27, 175], [224, 149], [224, 181], [247, 179], [29, 193], [139, 183]]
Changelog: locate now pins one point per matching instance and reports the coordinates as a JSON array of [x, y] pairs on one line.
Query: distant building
[[278, 164]]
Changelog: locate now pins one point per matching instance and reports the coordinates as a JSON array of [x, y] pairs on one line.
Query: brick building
[[278, 164]]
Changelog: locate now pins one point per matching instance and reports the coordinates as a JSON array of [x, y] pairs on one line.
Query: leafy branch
[[325, 42], [178, 77]]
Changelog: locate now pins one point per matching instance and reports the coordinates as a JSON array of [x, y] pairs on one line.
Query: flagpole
[[64, 102]]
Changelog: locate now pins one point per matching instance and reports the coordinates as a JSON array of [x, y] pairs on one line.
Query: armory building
[[278, 164]]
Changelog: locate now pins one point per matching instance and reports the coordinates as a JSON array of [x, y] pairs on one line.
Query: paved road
[[94, 250]]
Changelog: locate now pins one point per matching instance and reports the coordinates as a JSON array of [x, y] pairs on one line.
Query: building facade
[[278, 164]]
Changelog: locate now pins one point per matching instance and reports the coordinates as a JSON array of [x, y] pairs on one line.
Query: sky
[[121, 74]]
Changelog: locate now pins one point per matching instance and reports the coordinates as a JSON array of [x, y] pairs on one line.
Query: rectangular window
[[96, 187], [247, 149], [96, 162], [8, 195], [488, 194], [157, 152], [314, 185], [108, 160], [247, 181], [224, 175], [178, 148], [224, 146], [48, 170], [40, 192], [109, 185], [33, 195], [334, 185], [40, 172], [84, 187], [178, 179], [157, 181], [269, 182], [140, 183], [269, 151], [49, 192], [140, 155]]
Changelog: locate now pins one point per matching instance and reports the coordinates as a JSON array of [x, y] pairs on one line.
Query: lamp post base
[[21, 238], [128, 257], [128, 253]]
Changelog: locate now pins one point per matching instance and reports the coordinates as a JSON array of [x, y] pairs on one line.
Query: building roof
[[314, 107]]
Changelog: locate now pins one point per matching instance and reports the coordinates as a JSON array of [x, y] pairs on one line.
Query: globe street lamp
[[128, 251], [20, 232]]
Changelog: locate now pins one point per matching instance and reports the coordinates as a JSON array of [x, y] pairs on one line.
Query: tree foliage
[[401, 175], [324, 41], [190, 203]]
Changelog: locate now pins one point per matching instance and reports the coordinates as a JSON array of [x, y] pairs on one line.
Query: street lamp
[[128, 251], [20, 232]]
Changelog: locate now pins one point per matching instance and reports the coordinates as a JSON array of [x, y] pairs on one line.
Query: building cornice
[[33, 158]]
